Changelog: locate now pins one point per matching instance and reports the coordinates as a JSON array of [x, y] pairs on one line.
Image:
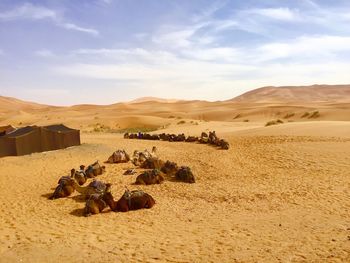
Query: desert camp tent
[[55, 137], [6, 129], [32, 139]]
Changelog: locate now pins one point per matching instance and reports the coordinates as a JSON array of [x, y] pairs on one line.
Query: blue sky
[[104, 51]]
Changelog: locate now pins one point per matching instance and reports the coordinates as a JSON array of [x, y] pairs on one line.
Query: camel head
[[72, 172], [154, 149], [82, 167]]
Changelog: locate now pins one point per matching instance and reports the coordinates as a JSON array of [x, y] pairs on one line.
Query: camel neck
[[79, 188], [110, 202]]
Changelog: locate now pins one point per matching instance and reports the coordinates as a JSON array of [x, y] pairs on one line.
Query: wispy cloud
[[28, 11], [281, 13], [71, 26]]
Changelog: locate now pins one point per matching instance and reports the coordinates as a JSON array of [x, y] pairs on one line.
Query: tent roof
[[58, 127], [21, 131], [6, 128]]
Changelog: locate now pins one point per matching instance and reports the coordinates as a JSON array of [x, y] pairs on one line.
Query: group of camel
[[98, 194], [204, 138]]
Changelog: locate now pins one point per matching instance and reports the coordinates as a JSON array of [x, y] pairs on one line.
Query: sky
[[105, 51]]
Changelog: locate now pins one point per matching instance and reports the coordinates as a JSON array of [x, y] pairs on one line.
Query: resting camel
[[119, 156], [94, 169], [185, 174], [65, 188], [130, 200], [152, 163], [204, 138], [95, 187], [94, 205], [154, 176], [79, 176], [212, 137], [140, 157], [223, 144], [191, 139], [169, 168]]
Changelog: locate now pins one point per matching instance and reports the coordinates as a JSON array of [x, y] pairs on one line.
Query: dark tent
[[32, 139], [55, 137], [6, 130]]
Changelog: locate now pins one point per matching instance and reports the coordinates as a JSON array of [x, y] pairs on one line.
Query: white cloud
[[308, 46], [28, 11], [33, 12], [71, 26], [177, 39], [281, 13]]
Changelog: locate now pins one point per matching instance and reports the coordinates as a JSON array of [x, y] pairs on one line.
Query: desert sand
[[280, 194]]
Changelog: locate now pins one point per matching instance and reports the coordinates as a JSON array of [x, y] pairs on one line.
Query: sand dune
[[314, 93], [264, 104]]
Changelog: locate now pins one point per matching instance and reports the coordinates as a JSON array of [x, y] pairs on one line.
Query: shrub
[[315, 114], [289, 115], [237, 116], [246, 120], [305, 115], [273, 122], [181, 122]]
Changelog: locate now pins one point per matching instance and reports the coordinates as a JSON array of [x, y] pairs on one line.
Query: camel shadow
[[78, 198], [79, 212], [47, 196]]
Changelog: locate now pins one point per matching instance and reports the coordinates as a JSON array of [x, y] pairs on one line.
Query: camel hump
[[98, 185]]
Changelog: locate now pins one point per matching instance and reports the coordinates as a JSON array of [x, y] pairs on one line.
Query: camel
[[63, 179], [139, 158], [119, 156], [129, 172], [191, 139], [169, 168], [94, 169], [154, 176], [95, 187], [185, 174], [152, 163], [65, 188], [212, 137], [79, 176], [180, 138], [204, 138], [130, 200], [94, 205], [224, 144], [126, 135]]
